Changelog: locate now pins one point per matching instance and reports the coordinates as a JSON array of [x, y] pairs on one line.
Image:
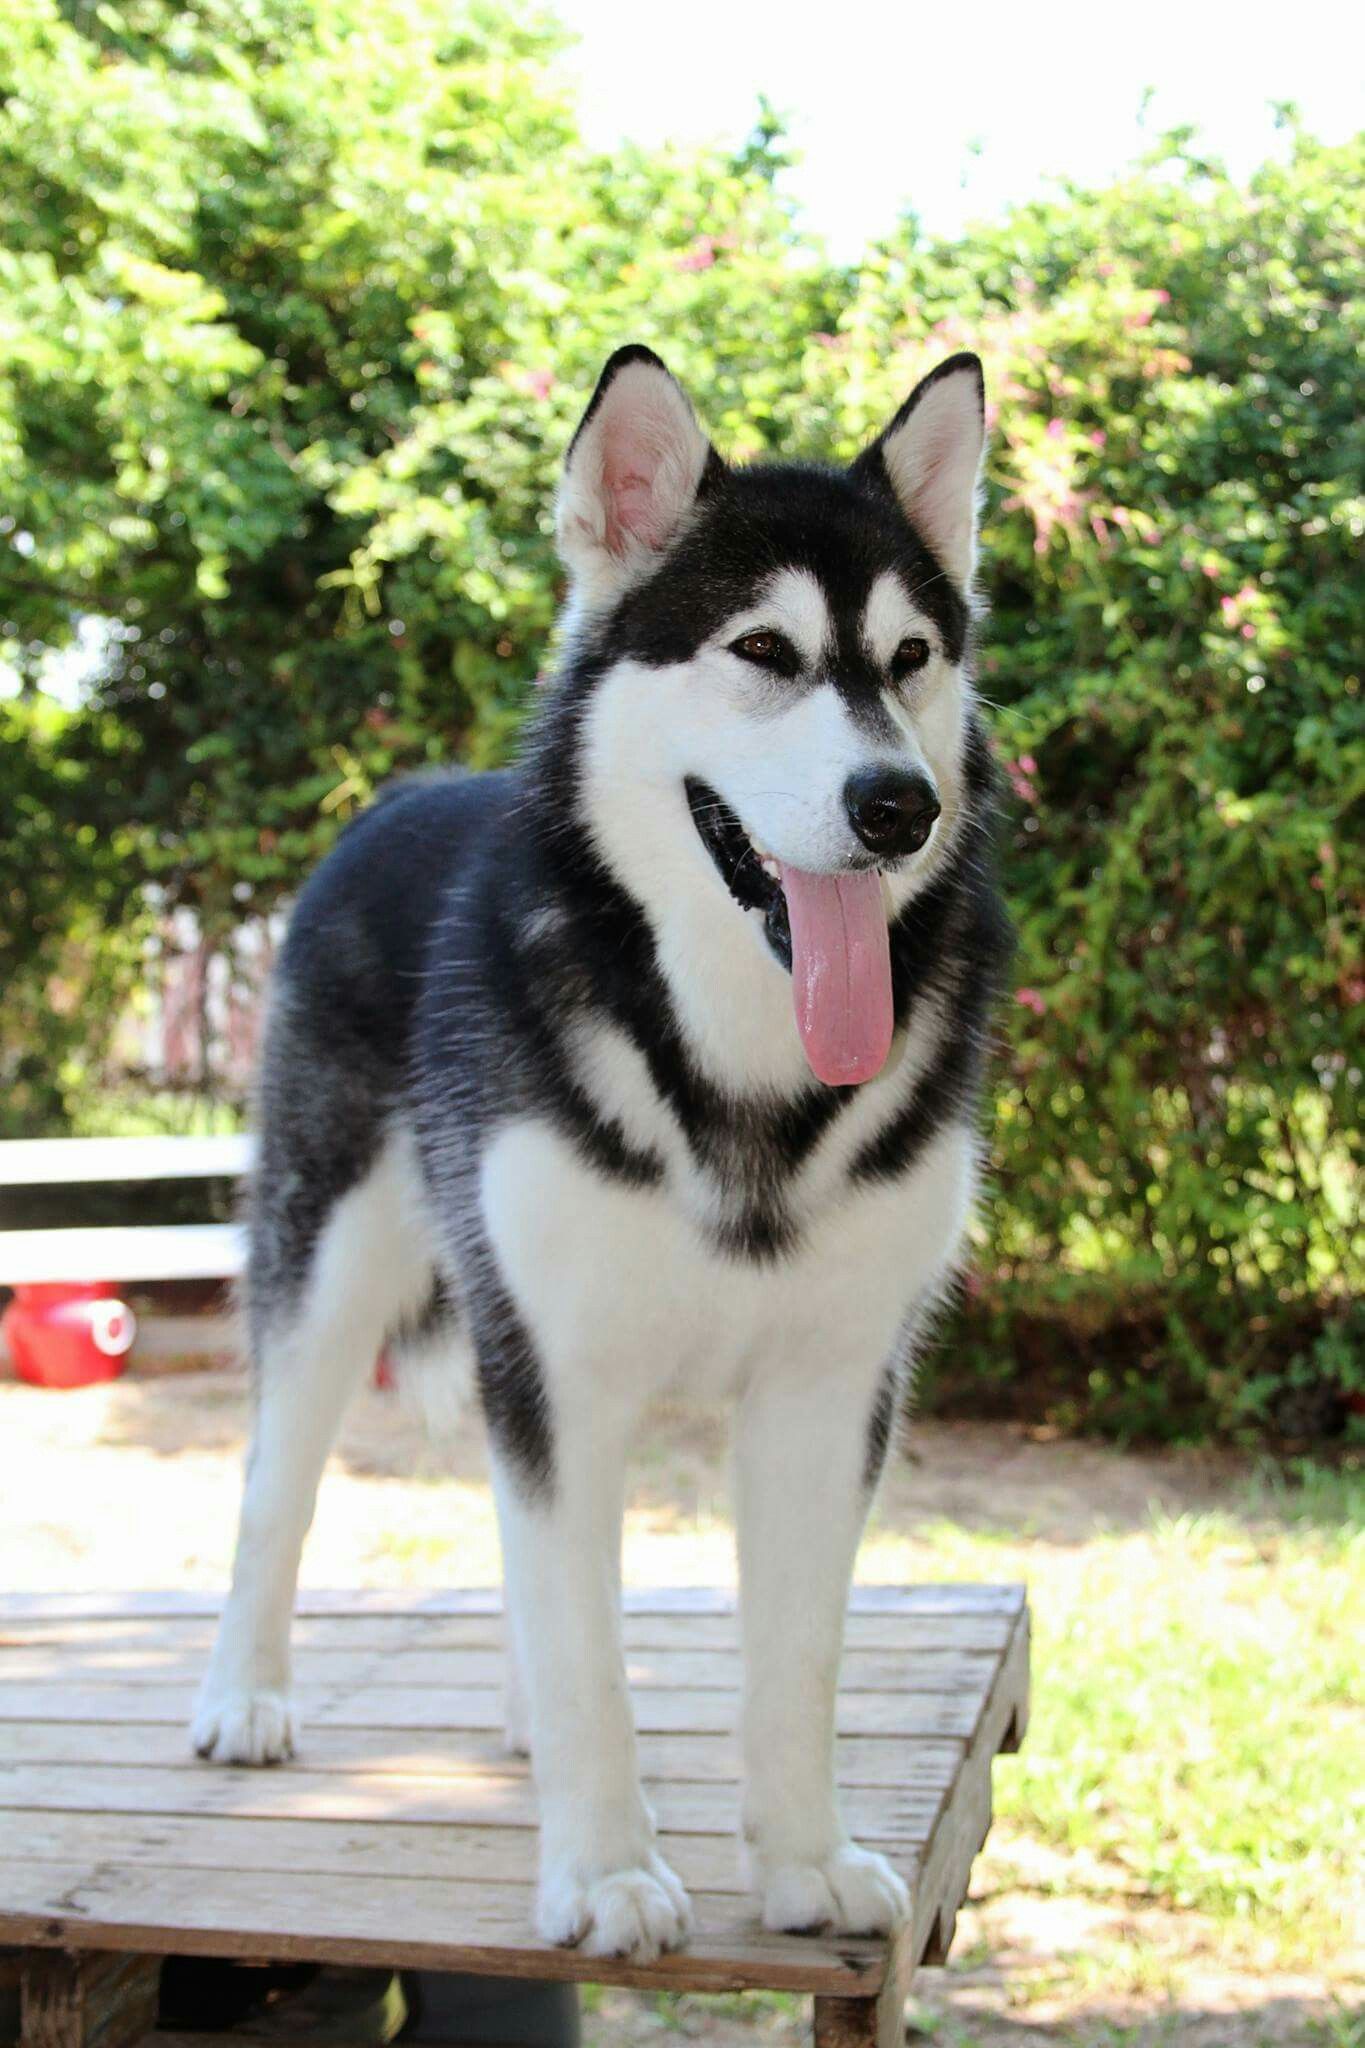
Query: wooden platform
[[403, 1834]]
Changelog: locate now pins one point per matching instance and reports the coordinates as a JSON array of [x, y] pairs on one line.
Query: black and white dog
[[652, 1062]]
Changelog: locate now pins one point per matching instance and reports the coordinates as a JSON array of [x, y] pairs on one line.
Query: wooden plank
[[965, 1821], [391, 1632], [67, 1162], [358, 1848], [406, 1835], [873, 1761], [685, 1711], [1019, 1654], [86, 2001], [867, 2022], [898, 1812], [401, 1923], [420, 1670], [154, 1251], [959, 1597]]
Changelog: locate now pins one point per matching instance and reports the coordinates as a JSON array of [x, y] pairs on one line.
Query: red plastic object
[[69, 1335]]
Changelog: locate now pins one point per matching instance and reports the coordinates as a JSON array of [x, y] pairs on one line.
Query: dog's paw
[[636, 1912], [237, 1725], [854, 1891]]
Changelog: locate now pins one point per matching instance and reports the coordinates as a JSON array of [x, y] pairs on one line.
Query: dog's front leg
[[602, 1881], [808, 1460]]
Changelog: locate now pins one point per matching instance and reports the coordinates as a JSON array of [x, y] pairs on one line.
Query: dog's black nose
[[892, 810]]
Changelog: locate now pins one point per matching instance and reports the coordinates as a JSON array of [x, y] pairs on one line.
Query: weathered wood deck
[[404, 1835]]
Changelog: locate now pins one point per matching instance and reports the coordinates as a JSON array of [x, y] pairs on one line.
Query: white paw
[[854, 1891], [236, 1725], [637, 1912]]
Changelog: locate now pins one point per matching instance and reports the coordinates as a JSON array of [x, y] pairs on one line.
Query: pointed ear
[[631, 477], [930, 456]]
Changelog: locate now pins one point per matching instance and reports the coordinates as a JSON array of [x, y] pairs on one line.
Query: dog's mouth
[[752, 876], [829, 931]]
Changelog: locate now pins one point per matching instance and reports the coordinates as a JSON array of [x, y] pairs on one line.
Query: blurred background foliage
[[299, 303]]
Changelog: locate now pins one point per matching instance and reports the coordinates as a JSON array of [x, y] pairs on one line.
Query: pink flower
[[1018, 775], [1028, 764], [540, 383], [1055, 430], [700, 256], [1162, 296], [1030, 999], [1098, 437]]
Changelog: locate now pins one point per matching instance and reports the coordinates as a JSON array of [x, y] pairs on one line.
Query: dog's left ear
[[631, 477], [930, 456]]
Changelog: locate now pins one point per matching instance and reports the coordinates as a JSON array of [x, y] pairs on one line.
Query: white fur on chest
[[622, 1284], [616, 1078]]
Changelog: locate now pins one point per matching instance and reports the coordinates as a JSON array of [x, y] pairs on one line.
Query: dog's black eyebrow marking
[[750, 525]]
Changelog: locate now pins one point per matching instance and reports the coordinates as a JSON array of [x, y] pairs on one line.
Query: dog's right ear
[[631, 477], [930, 458]]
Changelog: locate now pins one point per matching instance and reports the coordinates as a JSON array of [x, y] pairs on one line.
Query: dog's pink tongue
[[841, 973]]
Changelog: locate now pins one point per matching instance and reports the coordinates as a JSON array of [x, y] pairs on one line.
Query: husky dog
[[652, 1062]]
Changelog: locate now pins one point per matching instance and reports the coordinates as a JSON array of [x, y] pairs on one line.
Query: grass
[[1198, 1735], [1184, 1830]]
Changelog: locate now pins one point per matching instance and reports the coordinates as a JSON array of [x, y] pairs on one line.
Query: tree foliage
[[1175, 648], [299, 301]]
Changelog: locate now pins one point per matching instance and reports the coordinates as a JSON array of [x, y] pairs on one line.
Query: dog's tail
[[430, 1362]]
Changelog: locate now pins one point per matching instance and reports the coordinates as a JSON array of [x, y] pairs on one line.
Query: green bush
[[1175, 651], [300, 303]]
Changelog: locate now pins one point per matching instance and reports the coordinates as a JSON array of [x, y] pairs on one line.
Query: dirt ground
[[135, 1485]]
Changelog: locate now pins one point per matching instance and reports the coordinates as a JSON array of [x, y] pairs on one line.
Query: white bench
[[122, 1253]]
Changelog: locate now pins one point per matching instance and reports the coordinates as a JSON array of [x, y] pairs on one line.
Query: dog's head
[[779, 685]]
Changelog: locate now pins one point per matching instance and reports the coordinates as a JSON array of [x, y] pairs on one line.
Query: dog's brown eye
[[767, 650], [910, 657]]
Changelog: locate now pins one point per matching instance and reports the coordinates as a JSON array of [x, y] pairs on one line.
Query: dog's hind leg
[[314, 1340]]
